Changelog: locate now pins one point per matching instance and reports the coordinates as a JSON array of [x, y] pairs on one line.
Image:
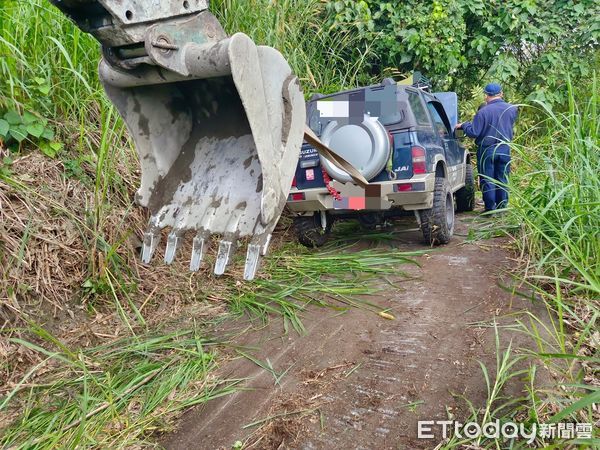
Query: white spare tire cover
[[366, 146]]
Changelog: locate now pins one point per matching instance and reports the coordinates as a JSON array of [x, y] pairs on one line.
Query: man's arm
[[475, 128]]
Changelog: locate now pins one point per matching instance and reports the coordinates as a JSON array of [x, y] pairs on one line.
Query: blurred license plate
[[351, 203]]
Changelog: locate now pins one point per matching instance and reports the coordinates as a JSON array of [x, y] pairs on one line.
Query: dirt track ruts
[[363, 382]]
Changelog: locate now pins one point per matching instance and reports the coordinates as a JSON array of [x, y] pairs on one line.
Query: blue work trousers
[[494, 168]]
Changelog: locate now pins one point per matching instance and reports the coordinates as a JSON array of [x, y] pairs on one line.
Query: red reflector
[[298, 197], [294, 182], [419, 167], [418, 160], [406, 187]]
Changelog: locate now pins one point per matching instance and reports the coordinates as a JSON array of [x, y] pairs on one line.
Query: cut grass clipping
[[336, 278], [112, 396]]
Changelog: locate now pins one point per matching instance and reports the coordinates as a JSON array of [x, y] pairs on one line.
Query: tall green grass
[[555, 218], [37, 43], [112, 396], [297, 29], [49, 67], [556, 195]]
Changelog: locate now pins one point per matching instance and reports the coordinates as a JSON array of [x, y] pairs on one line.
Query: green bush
[[458, 43], [16, 128]]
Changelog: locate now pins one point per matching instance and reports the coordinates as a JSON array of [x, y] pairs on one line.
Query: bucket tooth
[[228, 244], [257, 247], [252, 261], [149, 244], [198, 249], [173, 244], [226, 249]]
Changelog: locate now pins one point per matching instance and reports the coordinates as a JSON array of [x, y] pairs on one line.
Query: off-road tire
[[465, 196], [309, 231], [437, 223]]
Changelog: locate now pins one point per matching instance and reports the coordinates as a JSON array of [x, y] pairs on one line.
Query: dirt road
[[358, 381]]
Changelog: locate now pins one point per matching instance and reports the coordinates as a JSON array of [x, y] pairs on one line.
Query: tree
[[461, 43]]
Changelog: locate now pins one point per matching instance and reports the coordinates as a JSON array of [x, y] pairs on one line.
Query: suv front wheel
[[437, 223]]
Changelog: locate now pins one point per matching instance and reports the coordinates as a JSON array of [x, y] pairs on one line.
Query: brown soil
[[357, 380]]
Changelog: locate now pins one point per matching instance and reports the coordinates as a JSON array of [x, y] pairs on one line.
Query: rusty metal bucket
[[218, 153]]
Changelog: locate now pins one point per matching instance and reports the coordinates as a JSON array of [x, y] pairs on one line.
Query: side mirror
[[459, 133]]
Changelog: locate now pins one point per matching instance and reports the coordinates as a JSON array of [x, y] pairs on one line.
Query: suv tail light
[[294, 183], [418, 160]]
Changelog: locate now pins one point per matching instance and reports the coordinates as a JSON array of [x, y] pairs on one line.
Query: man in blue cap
[[493, 129]]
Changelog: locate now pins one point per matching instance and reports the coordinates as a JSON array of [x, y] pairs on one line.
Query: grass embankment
[[555, 217]]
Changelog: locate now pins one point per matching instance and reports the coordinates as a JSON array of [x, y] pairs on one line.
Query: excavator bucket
[[217, 122]]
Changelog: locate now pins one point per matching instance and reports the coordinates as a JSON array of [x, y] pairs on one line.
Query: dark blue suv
[[401, 138]]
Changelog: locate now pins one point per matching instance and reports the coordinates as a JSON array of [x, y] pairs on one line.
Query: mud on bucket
[[218, 136]]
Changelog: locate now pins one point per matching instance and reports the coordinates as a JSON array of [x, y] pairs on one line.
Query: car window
[[417, 108], [440, 127]]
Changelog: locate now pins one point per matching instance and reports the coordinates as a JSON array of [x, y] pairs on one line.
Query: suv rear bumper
[[394, 194]]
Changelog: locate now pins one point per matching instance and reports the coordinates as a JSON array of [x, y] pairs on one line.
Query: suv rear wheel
[[437, 223], [310, 232], [465, 196]]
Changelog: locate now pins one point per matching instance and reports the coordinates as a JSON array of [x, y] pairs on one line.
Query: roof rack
[[417, 80]]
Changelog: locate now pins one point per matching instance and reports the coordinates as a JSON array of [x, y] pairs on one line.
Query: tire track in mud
[[400, 361]]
